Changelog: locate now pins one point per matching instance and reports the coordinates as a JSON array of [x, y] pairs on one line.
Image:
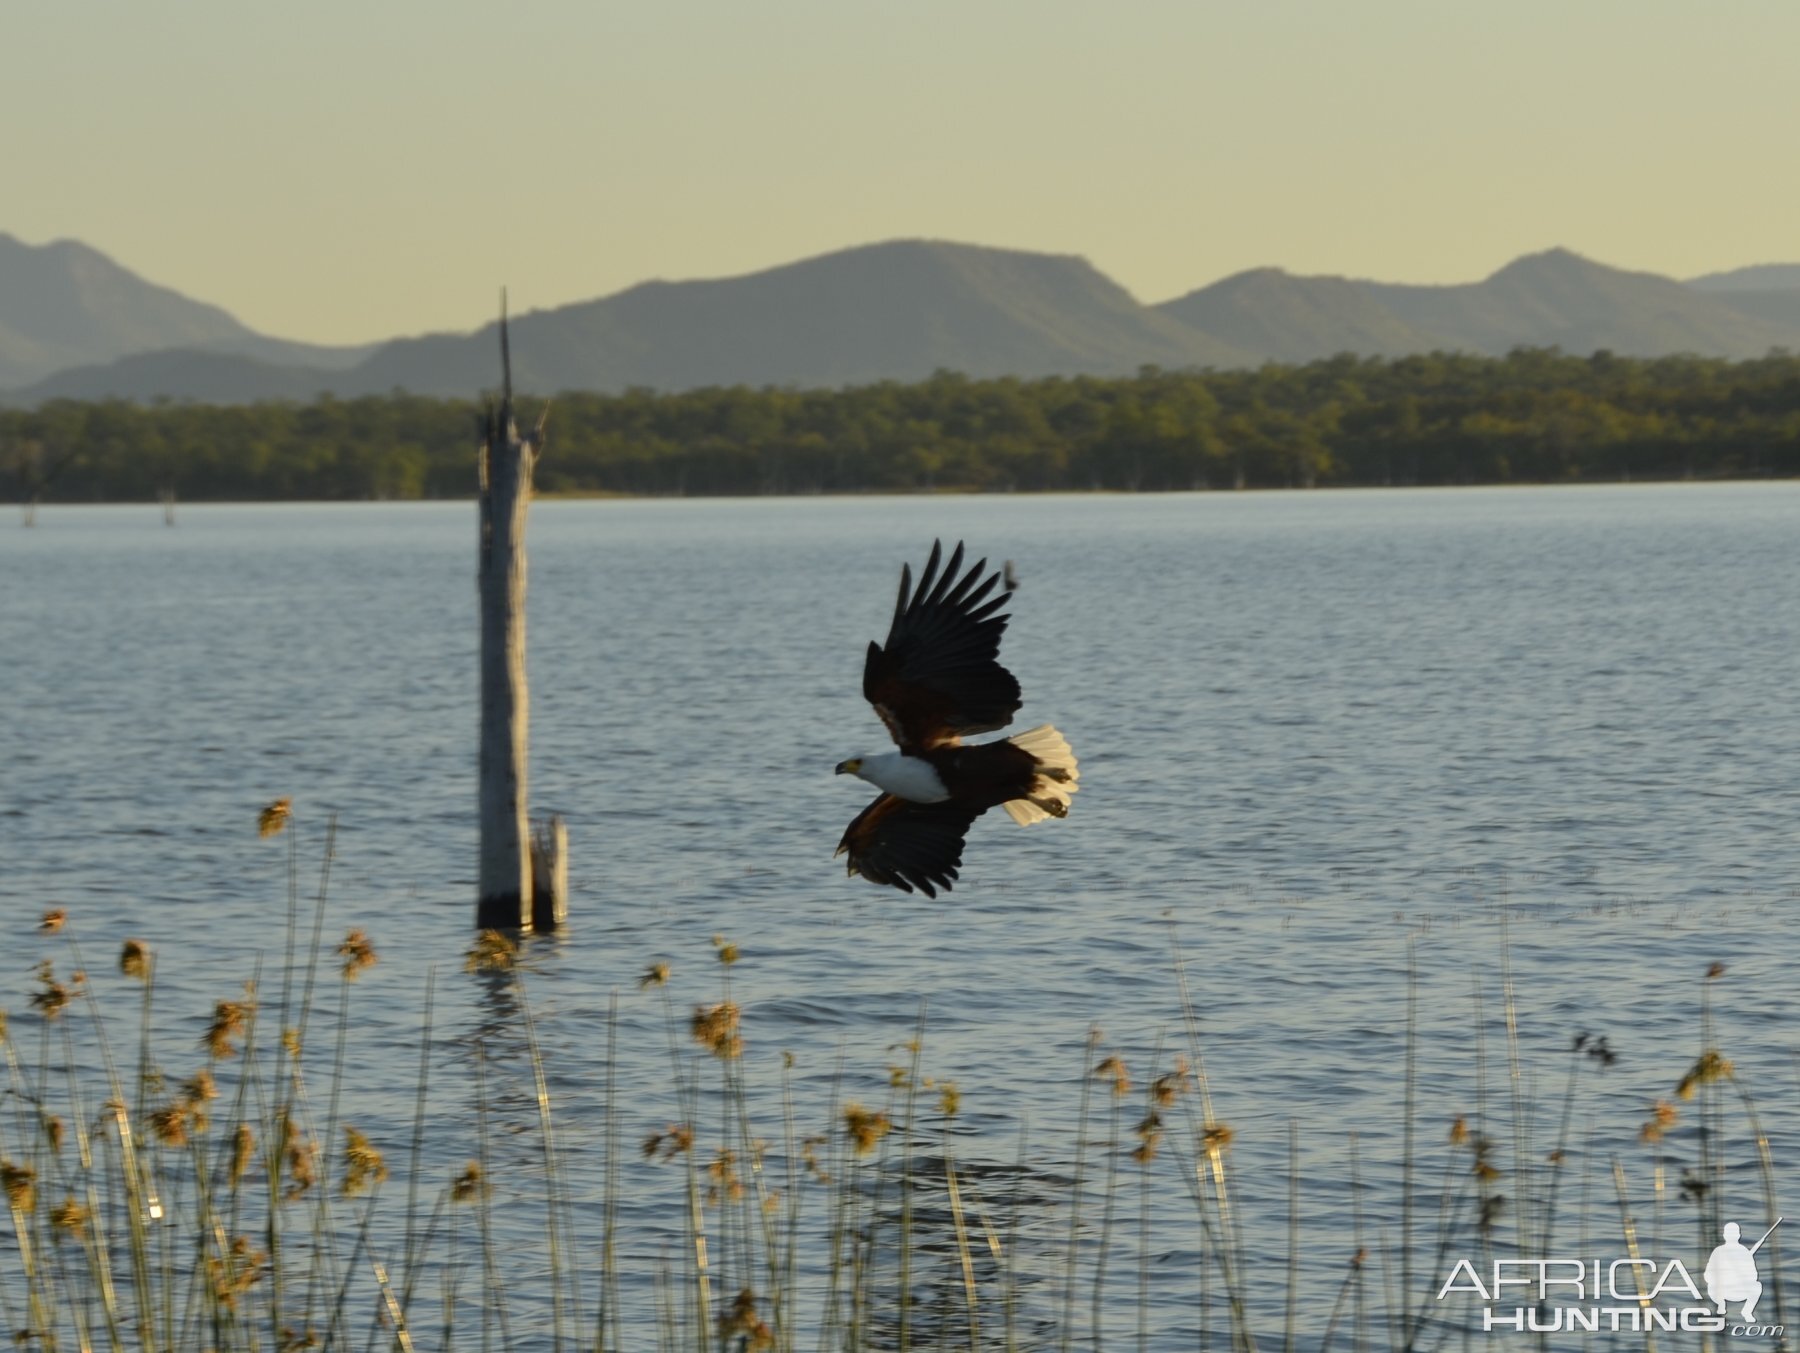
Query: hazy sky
[[342, 171]]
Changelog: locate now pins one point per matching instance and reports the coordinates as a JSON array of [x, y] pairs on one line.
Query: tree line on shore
[[1533, 416]]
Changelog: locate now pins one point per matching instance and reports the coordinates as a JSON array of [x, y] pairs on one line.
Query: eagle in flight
[[936, 680]]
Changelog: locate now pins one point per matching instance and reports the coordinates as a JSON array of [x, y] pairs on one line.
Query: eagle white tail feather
[[1058, 776]]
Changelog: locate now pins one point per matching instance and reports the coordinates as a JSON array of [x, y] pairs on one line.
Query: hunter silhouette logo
[[1731, 1272]]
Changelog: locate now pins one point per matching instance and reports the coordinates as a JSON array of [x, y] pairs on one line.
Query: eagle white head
[[905, 777]]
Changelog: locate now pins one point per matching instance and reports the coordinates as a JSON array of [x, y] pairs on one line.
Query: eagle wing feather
[[938, 677], [908, 845]]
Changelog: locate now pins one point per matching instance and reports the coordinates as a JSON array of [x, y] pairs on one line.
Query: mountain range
[[75, 324]]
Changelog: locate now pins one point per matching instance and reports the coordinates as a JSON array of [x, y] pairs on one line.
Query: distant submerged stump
[[522, 882], [549, 874]]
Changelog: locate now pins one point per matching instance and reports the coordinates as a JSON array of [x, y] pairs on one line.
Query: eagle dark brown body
[[936, 680]]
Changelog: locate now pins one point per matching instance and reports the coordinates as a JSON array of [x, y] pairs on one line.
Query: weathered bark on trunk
[[504, 883]]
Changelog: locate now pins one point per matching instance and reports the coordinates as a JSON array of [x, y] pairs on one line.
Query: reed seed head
[[723, 1183], [169, 1124], [235, 1272], [357, 954], [654, 976], [134, 960], [53, 1132], [740, 1322], [493, 951], [69, 1218], [1715, 971], [19, 1182], [1172, 1085], [864, 1127], [1599, 1052], [51, 997], [229, 1021], [52, 920], [196, 1090], [1217, 1139], [715, 1027], [727, 950], [1711, 1066], [300, 1157], [1149, 1134], [243, 1151], [274, 817], [469, 1185], [949, 1099], [302, 1168], [363, 1164], [1663, 1116], [1459, 1132], [674, 1140], [1113, 1069]]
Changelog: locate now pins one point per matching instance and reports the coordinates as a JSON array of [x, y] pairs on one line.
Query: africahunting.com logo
[[1629, 1294]]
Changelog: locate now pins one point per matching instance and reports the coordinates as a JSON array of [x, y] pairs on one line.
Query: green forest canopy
[[1534, 416]]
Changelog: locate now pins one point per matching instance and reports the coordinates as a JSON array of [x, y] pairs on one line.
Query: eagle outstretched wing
[[937, 677], [908, 845]]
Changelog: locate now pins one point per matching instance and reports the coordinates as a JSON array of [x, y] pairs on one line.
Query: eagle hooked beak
[[849, 767]]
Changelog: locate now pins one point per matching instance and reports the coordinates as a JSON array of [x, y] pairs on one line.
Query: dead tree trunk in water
[[504, 890], [36, 472]]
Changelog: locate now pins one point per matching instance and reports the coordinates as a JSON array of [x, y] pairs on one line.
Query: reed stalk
[[609, 1302], [1073, 1251], [964, 1259], [1408, 1112], [906, 1182]]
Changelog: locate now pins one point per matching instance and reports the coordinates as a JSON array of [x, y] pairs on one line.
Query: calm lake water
[[1545, 731]]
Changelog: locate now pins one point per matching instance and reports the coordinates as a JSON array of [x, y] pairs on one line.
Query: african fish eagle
[[935, 680]]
